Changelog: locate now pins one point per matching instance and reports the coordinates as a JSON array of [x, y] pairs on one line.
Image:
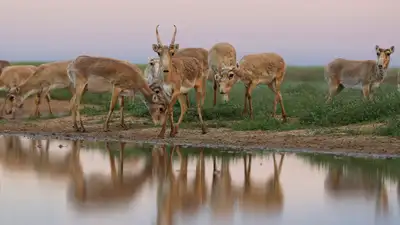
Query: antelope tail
[[71, 73]]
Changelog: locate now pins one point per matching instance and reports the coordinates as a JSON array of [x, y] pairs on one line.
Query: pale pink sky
[[304, 32]]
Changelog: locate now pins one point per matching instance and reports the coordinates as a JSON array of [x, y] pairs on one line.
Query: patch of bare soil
[[138, 131]]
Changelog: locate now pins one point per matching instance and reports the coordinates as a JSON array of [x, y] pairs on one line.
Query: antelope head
[[165, 52], [159, 105], [383, 57], [226, 77], [13, 101]]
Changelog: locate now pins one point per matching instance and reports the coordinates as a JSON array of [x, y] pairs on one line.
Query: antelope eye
[[231, 75], [11, 98], [378, 54], [151, 64], [161, 109]]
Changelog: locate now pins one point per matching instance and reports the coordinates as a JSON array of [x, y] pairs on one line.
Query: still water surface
[[78, 183]]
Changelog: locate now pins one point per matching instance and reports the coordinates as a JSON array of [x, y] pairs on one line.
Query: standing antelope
[[180, 74], [4, 64], [221, 53], [358, 74], [11, 77], [125, 78], [255, 69], [50, 76], [199, 53]]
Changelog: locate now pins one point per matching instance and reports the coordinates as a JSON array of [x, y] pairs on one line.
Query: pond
[[80, 182]]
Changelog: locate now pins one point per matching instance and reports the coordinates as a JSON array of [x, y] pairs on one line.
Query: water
[[67, 182]]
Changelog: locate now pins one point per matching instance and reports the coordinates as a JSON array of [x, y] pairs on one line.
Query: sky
[[304, 32]]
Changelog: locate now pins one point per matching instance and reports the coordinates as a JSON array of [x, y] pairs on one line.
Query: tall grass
[[303, 91]]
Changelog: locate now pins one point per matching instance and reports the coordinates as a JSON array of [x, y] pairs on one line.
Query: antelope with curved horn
[[180, 74], [125, 79], [358, 74], [220, 54], [255, 69]]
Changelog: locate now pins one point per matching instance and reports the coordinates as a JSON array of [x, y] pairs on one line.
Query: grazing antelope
[[125, 78], [10, 78], [358, 74], [220, 54], [46, 77], [180, 74], [255, 69], [199, 53], [4, 64]]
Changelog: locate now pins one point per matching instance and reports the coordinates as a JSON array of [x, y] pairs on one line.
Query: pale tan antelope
[[255, 69], [220, 54], [199, 53], [46, 77], [125, 78], [180, 75], [10, 78], [50, 76], [267, 197], [4, 64], [358, 74]]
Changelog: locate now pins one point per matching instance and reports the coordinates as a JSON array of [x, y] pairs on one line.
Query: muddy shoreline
[[221, 138]]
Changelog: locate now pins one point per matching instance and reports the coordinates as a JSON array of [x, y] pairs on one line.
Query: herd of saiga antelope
[[168, 79]]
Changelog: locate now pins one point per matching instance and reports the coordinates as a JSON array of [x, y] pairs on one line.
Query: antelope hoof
[[161, 136], [204, 130], [106, 129], [124, 126]]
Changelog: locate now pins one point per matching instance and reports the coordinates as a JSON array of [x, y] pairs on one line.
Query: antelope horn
[[158, 36], [173, 37]]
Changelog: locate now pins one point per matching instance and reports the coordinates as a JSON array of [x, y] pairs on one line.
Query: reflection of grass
[[387, 168]]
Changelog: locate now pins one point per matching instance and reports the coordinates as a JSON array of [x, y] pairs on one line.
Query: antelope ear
[[216, 76], [156, 47], [377, 48], [392, 49], [17, 89], [176, 47], [237, 65]]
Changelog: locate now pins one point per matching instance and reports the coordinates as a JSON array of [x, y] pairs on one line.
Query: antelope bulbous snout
[[222, 92], [380, 66], [165, 71]]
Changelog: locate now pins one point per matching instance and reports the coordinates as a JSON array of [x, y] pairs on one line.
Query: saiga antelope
[[50, 76], [255, 69], [199, 53], [221, 53], [125, 78], [11, 77], [180, 74], [4, 64], [365, 74]]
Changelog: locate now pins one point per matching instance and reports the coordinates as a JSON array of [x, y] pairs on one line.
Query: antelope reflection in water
[[94, 190], [346, 184], [268, 197], [223, 195], [16, 156], [174, 194]]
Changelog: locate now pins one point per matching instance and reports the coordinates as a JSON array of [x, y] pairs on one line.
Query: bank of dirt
[[300, 139]]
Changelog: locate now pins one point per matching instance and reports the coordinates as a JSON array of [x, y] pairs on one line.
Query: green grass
[[303, 91]]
